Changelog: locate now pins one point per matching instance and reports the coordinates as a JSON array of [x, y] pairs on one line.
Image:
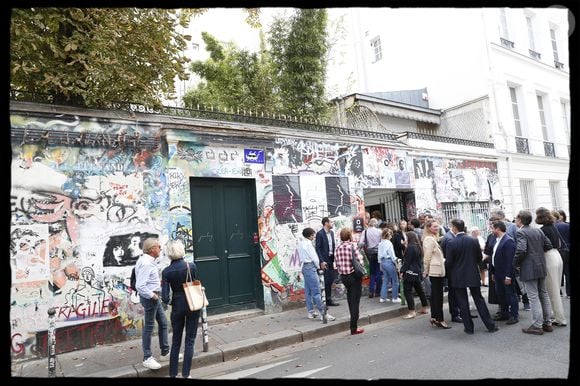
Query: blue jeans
[[375, 281], [390, 277], [311, 287], [153, 312], [182, 317]]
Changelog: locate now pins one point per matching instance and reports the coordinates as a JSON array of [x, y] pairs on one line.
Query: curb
[[235, 350]]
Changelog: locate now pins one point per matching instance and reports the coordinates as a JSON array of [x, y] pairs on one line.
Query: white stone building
[[516, 58]]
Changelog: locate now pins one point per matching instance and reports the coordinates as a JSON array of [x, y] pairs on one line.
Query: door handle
[[226, 251]]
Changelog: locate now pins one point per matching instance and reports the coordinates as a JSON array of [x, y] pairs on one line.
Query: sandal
[[409, 316]]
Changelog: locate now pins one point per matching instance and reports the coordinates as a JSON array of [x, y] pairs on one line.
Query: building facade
[[88, 186], [517, 58]]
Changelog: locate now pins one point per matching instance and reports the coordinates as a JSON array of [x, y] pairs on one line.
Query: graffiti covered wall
[[440, 182], [80, 210], [79, 213]]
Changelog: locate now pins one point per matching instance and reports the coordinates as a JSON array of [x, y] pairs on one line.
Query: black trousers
[[437, 298], [330, 275], [452, 299], [408, 290], [479, 301], [353, 292]]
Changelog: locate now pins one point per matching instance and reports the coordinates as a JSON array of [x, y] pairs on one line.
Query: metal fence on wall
[[473, 213]]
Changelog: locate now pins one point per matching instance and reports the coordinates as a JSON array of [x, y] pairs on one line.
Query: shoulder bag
[[359, 269], [194, 292]]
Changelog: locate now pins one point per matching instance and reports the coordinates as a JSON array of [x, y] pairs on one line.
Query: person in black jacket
[[462, 258], [412, 273], [173, 277]]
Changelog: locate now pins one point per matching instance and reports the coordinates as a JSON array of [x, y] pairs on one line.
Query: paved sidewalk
[[231, 336]]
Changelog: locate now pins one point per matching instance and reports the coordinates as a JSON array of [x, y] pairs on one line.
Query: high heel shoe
[[433, 321], [442, 324]]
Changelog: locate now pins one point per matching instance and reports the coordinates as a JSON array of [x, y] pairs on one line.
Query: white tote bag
[[194, 292]]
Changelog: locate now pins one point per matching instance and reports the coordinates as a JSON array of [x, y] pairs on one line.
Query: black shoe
[[468, 332], [332, 303], [457, 319], [498, 318], [473, 316], [512, 321], [494, 329]]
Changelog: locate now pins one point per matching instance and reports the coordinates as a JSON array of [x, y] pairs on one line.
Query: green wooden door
[[224, 221]]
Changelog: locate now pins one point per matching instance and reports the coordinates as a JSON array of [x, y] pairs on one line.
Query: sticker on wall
[[253, 156]]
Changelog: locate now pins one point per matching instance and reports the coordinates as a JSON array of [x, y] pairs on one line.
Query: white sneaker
[[312, 315], [397, 300], [165, 358], [381, 300], [328, 317], [151, 364]]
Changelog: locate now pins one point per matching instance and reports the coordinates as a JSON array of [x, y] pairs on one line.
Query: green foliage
[[232, 79], [288, 78], [299, 49], [93, 55]]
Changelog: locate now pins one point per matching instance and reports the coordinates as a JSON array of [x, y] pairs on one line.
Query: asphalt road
[[413, 349]]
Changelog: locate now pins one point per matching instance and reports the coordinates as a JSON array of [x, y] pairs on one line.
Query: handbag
[[359, 269], [194, 292]]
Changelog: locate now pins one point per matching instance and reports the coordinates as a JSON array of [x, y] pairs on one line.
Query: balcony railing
[[549, 149], [507, 43], [535, 55], [558, 65], [522, 145]]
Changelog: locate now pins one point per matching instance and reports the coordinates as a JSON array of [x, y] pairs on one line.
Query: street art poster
[[441, 180], [338, 196], [287, 199], [385, 168], [314, 204], [29, 253], [124, 249]]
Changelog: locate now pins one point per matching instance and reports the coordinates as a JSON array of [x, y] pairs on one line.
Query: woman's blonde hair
[[387, 234], [174, 249], [427, 229]]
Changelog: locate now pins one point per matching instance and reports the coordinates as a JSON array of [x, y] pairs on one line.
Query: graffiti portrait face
[[133, 248]]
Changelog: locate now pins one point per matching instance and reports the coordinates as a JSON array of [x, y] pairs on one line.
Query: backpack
[[133, 283]]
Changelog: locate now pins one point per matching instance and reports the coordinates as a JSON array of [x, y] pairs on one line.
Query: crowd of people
[[523, 263], [519, 263]]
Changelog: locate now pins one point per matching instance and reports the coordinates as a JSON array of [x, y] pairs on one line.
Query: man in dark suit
[[502, 270], [462, 262], [325, 246], [451, 298], [531, 243]]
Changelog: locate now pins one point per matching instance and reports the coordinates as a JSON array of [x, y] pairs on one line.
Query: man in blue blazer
[[325, 246], [502, 269], [462, 263]]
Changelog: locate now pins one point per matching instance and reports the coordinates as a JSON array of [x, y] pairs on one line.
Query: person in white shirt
[[310, 264], [149, 288]]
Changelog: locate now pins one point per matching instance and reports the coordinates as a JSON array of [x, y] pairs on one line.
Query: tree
[[287, 78], [299, 53], [90, 56], [232, 78]]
